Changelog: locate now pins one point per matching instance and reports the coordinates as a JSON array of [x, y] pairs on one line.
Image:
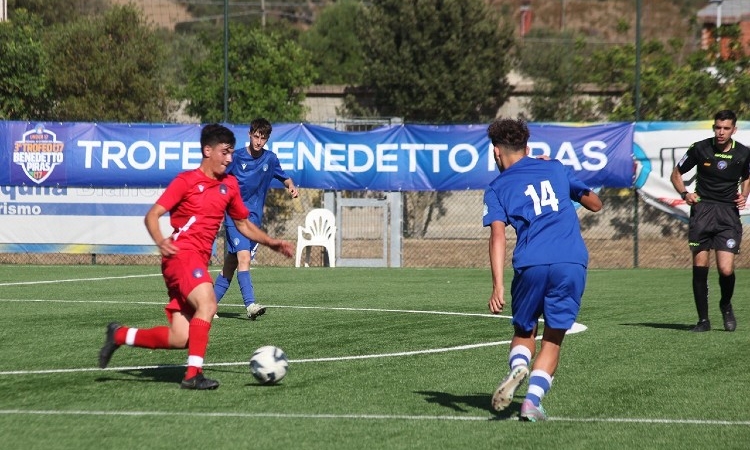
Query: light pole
[[718, 21], [562, 15], [226, 61]]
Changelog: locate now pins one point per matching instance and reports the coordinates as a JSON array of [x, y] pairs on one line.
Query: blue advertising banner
[[395, 158]]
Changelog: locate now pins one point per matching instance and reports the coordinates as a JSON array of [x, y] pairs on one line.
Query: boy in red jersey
[[196, 201]]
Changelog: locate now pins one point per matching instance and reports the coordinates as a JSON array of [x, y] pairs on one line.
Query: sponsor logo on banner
[[659, 146], [38, 153]]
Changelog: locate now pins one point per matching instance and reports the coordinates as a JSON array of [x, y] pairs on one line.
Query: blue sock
[[220, 287], [246, 287], [519, 355], [539, 383]]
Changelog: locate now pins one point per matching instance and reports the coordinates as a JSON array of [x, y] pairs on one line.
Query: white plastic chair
[[319, 230]]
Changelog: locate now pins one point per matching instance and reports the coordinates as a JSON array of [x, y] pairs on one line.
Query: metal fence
[[448, 232]]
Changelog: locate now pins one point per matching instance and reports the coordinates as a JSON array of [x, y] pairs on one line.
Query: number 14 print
[[548, 197]]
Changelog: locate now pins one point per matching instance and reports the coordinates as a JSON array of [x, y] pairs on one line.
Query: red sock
[[120, 334], [157, 337], [197, 344]]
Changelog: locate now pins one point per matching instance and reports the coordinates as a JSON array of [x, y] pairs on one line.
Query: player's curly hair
[[509, 133]]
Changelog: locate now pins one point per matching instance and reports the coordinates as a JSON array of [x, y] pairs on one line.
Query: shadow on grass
[[464, 403], [164, 374], [230, 315], [665, 326]]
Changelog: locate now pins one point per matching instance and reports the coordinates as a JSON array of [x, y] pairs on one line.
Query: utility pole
[[638, 16], [718, 24], [226, 61], [562, 15]]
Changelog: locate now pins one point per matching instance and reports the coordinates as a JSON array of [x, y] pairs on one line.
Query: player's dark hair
[[215, 134], [726, 114], [509, 133], [262, 126]]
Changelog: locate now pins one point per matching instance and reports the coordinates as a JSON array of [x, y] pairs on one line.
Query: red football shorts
[[183, 272]]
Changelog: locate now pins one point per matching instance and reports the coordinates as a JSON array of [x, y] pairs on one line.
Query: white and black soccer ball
[[269, 364]]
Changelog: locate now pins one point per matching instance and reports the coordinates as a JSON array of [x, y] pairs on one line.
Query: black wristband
[[683, 194]]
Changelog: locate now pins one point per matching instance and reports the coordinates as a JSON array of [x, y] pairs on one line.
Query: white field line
[[244, 363], [576, 329], [372, 417], [72, 280]]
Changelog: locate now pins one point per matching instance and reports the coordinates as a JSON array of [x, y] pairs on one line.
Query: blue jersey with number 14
[[254, 176], [534, 197]]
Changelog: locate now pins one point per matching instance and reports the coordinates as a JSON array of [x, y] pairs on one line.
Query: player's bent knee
[[178, 341]]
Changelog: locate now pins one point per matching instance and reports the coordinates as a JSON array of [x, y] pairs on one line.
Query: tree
[[432, 61], [57, 11], [24, 86], [108, 68], [436, 61], [334, 45], [554, 60], [694, 90], [267, 78]]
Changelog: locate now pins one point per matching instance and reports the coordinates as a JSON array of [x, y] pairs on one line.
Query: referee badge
[[721, 165]]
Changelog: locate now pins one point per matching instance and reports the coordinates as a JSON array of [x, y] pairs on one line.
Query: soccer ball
[[269, 364]]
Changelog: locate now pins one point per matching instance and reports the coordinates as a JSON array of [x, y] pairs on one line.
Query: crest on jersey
[[721, 165], [198, 273], [265, 167], [223, 189]]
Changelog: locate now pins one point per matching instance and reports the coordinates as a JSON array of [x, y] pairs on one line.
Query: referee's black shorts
[[714, 226]]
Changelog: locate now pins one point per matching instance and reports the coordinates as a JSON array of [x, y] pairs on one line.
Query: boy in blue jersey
[[534, 196], [254, 169]]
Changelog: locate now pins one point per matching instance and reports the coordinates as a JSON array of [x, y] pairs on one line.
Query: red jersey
[[196, 205]]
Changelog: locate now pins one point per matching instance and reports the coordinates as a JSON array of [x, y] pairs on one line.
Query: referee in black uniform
[[722, 165]]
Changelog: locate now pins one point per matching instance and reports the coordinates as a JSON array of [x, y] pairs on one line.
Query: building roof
[[732, 11]]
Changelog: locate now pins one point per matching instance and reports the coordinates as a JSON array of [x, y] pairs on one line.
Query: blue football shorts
[[551, 291], [237, 241]]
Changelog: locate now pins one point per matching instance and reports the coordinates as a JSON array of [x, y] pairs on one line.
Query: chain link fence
[[448, 232], [444, 229]]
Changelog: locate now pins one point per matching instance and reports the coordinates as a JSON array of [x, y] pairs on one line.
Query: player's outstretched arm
[[291, 188], [252, 232], [591, 201]]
